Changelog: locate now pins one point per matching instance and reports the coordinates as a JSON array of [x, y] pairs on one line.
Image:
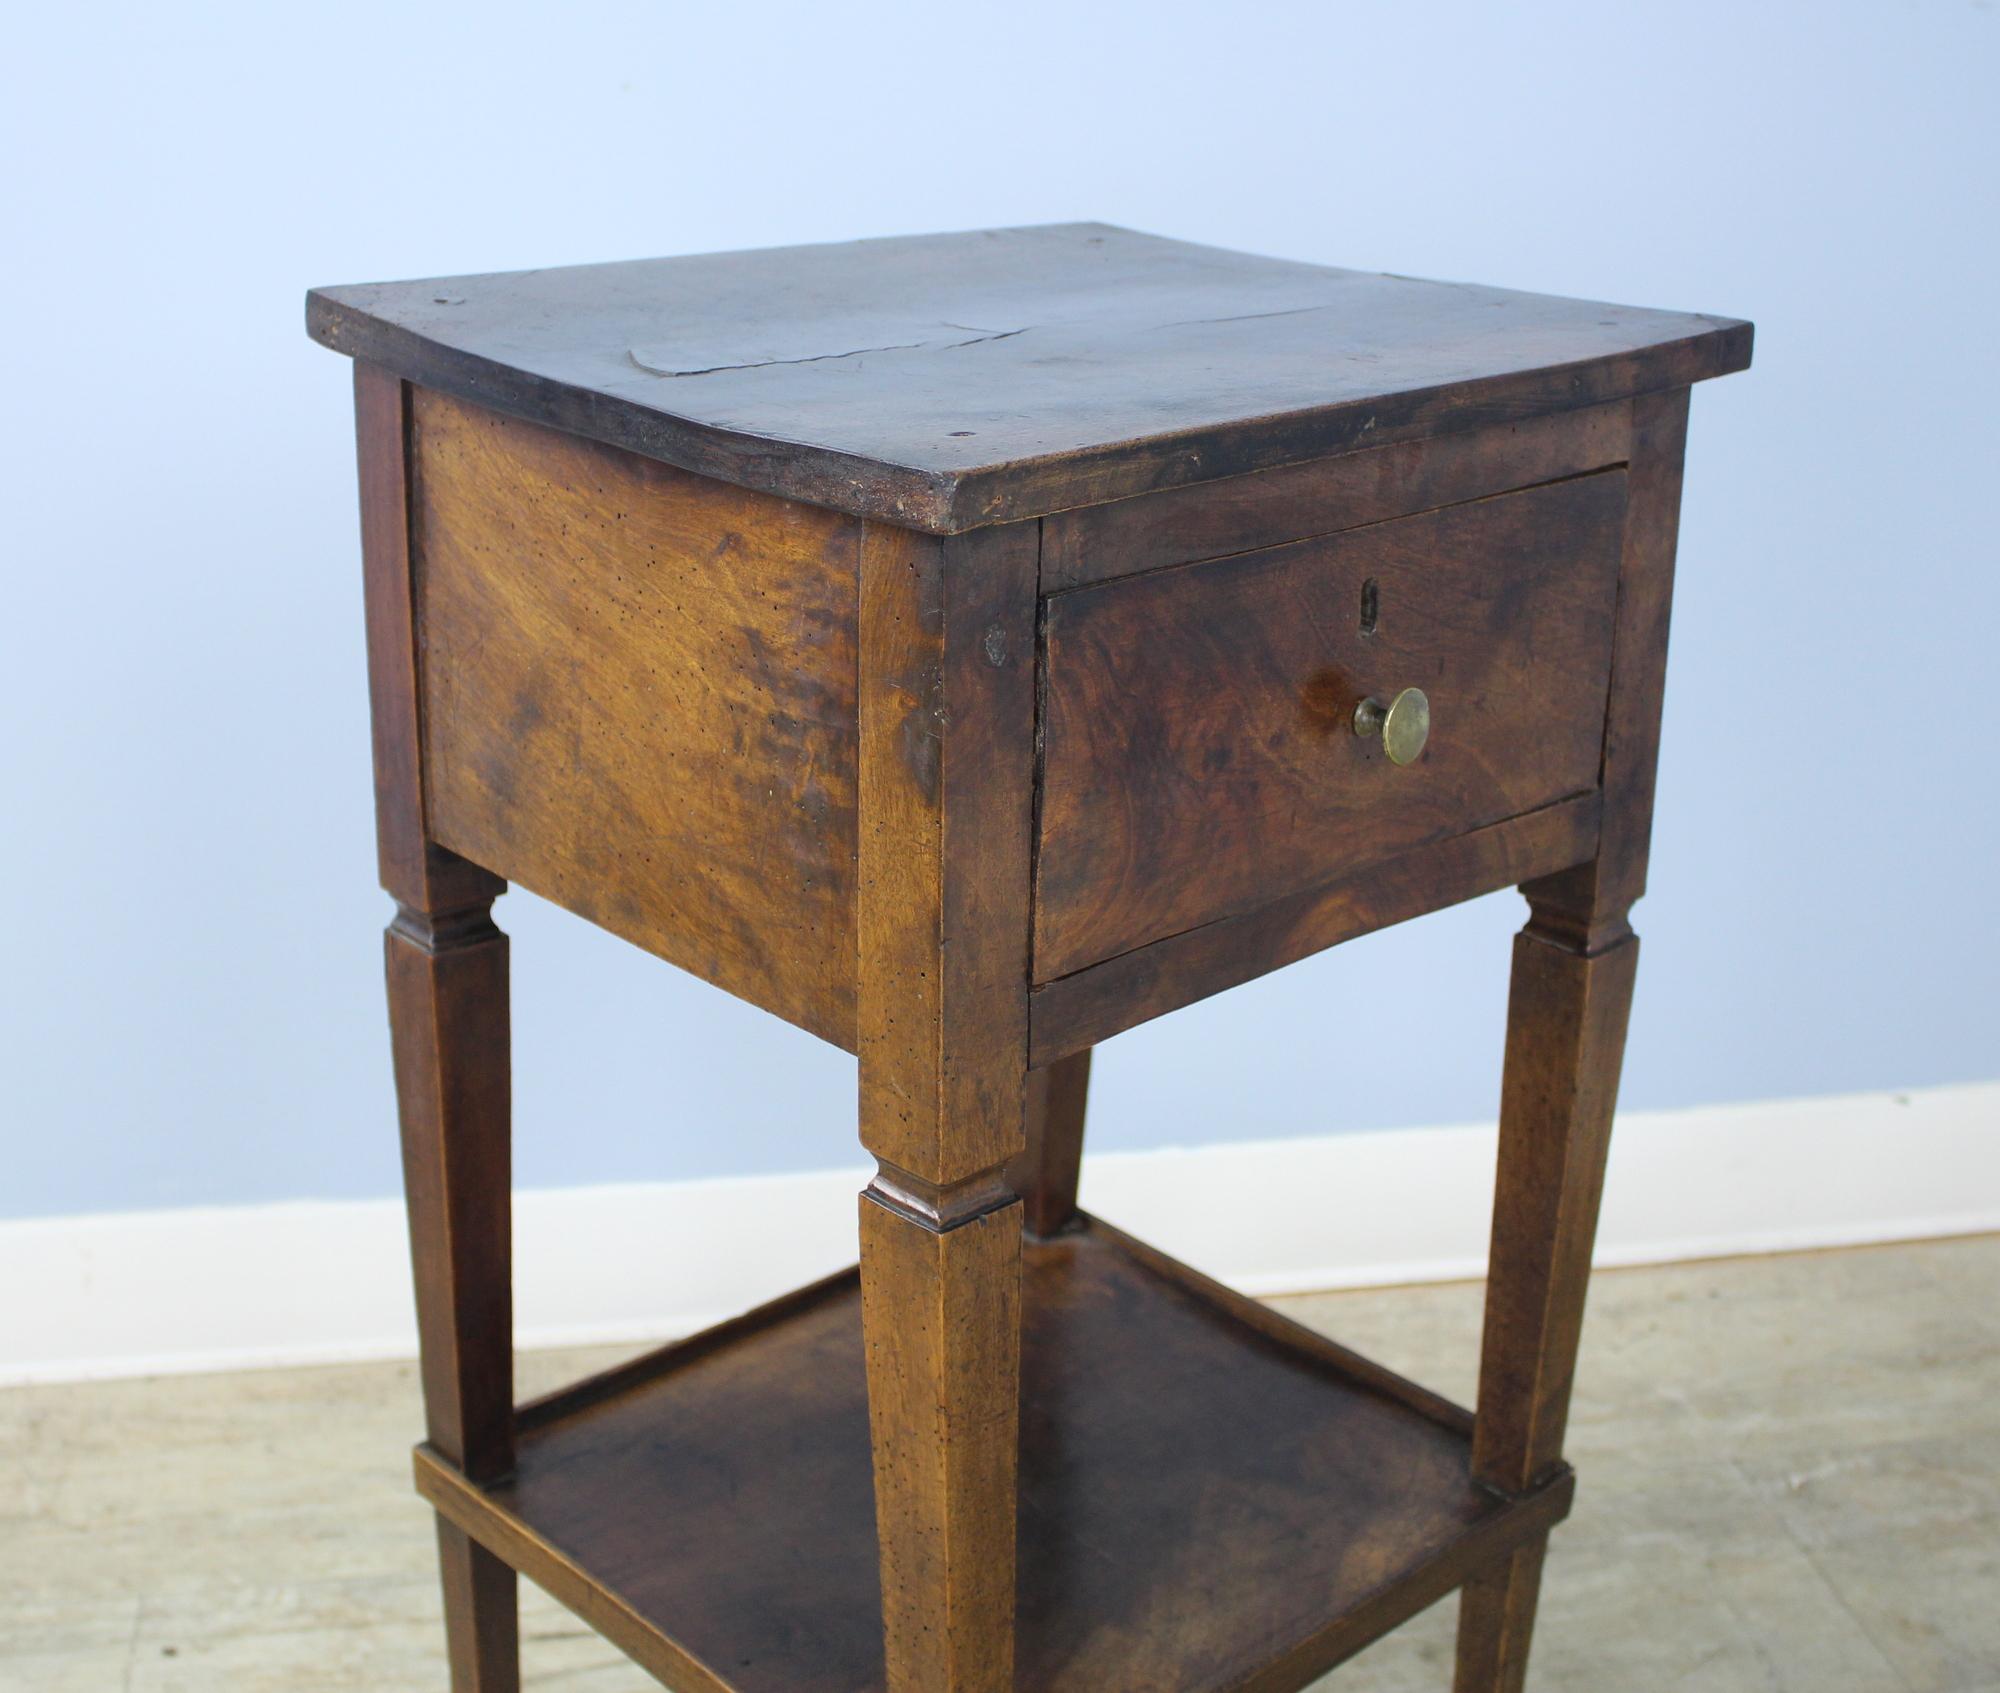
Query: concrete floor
[[1790, 1483]]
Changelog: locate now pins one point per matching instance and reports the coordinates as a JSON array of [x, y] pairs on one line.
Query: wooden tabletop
[[949, 381]]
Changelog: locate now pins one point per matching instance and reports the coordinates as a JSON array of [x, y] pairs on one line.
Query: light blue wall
[[192, 1007]]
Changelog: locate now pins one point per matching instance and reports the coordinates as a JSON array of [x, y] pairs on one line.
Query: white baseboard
[[228, 1288]]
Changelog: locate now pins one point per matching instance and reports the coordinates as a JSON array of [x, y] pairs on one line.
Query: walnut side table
[[968, 647]]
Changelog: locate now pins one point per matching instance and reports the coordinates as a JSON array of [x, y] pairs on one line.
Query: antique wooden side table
[[968, 647]]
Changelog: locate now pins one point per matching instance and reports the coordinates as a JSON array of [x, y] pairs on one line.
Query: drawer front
[[1200, 757]]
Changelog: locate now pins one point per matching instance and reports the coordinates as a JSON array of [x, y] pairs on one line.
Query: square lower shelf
[[1212, 1497]]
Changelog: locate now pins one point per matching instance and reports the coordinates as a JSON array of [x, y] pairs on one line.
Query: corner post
[[446, 968], [1568, 1005], [946, 804]]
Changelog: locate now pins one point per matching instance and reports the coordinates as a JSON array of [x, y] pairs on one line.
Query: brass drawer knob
[[1404, 724]]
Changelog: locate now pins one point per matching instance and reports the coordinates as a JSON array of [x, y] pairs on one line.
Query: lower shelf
[[1211, 1496]]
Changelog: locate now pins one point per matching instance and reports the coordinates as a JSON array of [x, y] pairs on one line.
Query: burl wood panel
[[1200, 756], [711, 1509], [640, 701], [1074, 1012]]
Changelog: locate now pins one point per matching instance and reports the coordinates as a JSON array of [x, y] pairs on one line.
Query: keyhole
[[1371, 605]]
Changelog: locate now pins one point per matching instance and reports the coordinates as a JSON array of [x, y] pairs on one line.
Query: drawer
[[1199, 751]]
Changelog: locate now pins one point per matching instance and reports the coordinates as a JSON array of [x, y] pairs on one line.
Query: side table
[[968, 647]]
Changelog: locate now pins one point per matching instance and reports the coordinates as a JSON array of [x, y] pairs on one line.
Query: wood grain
[[1200, 758], [945, 382], [640, 701]]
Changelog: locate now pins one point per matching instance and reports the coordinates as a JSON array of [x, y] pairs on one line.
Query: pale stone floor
[[1790, 1480]]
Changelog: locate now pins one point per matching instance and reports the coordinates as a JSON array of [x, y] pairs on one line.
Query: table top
[[944, 382]]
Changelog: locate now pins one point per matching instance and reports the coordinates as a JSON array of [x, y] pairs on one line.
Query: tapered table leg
[[941, 1310], [1046, 1173], [1572, 990], [1496, 1619], [449, 1019], [448, 1014], [481, 1616], [946, 810], [1571, 993]]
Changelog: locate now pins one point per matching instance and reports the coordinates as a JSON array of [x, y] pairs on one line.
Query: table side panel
[[639, 700], [1200, 758]]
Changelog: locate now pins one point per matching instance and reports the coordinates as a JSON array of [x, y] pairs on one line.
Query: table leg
[[1496, 1619], [481, 1615], [1571, 991], [941, 1311], [946, 822], [448, 1013], [1046, 1173]]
